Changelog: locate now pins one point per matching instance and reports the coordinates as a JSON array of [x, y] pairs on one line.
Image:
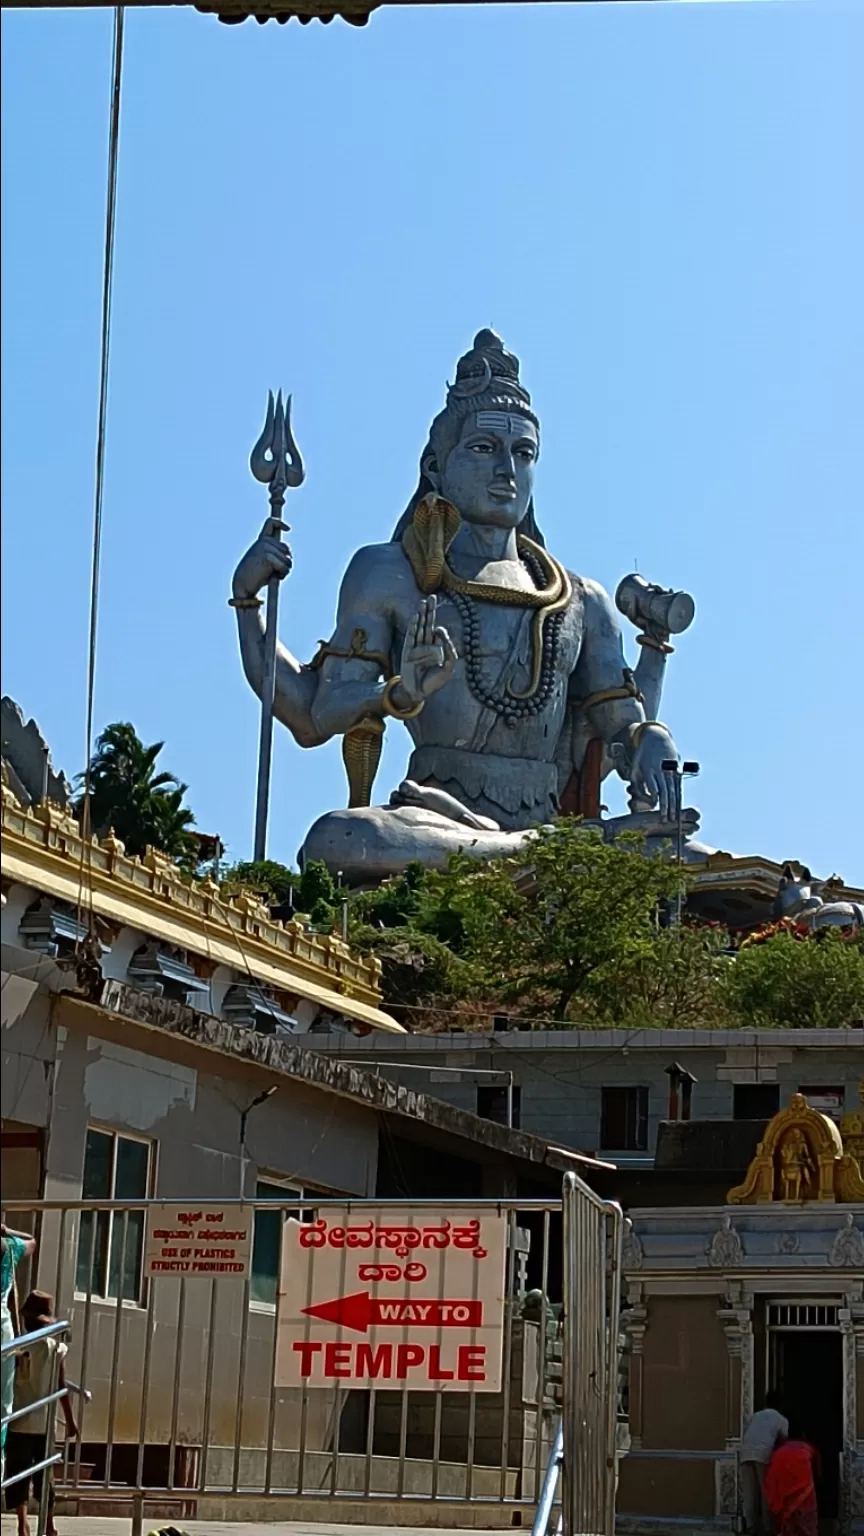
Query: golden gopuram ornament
[[804, 1157]]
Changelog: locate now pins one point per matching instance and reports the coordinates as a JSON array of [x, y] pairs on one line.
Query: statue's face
[[489, 475]]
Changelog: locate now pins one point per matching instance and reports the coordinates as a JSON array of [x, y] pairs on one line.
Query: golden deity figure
[[797, 1167]]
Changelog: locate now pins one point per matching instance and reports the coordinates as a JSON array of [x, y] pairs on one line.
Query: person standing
[[790, 1487], [15, 1247], [762, 1434], [40, 1372]]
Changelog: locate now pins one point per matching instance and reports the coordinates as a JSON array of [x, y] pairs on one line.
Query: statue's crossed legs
[[426, 824]]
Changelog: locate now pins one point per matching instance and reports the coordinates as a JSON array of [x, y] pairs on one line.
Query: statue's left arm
[[603, 689]]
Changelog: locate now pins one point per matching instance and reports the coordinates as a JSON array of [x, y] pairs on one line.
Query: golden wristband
[[393, 709], [639, 730], [655, 645], [245, 602]]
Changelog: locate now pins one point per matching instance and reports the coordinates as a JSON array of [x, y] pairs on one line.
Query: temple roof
[[43, 849], [739, 890]]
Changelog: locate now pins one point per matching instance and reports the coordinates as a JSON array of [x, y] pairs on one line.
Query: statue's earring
[[429, 467]]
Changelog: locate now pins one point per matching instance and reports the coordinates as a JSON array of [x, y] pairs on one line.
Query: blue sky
[[659, 208]]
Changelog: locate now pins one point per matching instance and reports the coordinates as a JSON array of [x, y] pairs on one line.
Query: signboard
[[392, 1301], [199, 1241]]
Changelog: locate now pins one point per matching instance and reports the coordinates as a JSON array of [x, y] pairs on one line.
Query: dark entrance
[[807, 1371]]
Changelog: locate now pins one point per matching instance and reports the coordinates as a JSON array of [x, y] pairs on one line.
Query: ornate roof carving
[[43, 848]]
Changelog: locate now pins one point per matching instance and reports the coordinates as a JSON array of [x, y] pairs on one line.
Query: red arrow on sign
[[361, 1311]]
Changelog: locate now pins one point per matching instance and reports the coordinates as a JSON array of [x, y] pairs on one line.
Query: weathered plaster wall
[[60, 1076], [685, 1348]]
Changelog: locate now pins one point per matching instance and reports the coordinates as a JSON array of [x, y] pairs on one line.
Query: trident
[[275, 461]]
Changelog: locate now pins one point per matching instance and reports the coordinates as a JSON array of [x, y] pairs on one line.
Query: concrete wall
[[60, 1079], [561, 1074], [29, 1043]]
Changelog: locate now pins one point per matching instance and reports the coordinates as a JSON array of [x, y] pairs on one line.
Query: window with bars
[[803, 1314], [111, 1243]]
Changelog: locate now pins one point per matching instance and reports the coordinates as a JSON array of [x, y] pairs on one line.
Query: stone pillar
[[635, 1321], [857, 1310], [852, 1480], [737, 1317]]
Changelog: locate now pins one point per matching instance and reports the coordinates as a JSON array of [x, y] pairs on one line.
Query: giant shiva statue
[[507, 669]]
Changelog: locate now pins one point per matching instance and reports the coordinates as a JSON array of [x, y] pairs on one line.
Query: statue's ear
[[429, 469]]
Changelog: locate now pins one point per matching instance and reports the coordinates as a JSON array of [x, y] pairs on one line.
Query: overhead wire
[[85, 872]]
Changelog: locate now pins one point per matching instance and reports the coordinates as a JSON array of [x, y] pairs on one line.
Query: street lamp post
[[687, 770]]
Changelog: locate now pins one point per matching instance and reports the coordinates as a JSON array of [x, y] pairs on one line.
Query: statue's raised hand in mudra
[[427, 660], [507, 670]]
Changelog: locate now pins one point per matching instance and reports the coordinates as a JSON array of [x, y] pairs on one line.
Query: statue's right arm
[[329, 699], [296, 684]]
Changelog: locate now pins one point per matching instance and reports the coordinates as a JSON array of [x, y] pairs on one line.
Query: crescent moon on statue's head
[[473, 385]]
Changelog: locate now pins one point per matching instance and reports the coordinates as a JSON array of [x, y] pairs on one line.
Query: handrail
[[83, 1392], [23, 1341], [550, 1485], [17, 1346], [306, 1202], [42, 1402]]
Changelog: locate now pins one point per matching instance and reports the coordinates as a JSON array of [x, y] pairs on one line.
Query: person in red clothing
[[790, 1487]]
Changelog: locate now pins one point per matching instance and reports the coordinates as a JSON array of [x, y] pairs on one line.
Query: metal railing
[[549, 1500], [179, 1408], [15, 1347]]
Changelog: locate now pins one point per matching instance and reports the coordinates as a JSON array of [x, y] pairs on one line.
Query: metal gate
[[592, 1241], [179, 1416]]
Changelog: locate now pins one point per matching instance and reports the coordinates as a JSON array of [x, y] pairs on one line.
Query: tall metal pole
[[680, 783], [275, 461], [570, 1369], [687, 770], [615, 1217]]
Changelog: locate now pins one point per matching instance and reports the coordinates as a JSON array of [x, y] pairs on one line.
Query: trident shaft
[[275, 461]]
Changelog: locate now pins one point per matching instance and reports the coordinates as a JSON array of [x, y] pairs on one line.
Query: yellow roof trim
[[44, 849]]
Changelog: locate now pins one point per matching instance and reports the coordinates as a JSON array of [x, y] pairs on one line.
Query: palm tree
[[130, 797]]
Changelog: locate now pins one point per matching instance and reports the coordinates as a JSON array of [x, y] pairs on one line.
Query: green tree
[[557, 923], [572, 929], [675, 981], [546, 933], [127, 794], [814, 982], [274, 882], [313, 892], [317, 894]]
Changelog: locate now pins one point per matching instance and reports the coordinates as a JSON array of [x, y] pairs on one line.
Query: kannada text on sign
[[199, 1241], [415, 1303]]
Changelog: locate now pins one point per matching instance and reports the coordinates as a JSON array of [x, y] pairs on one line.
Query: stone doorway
[[805, 1366]]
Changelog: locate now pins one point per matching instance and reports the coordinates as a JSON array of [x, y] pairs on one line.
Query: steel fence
[[179, 1412]]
